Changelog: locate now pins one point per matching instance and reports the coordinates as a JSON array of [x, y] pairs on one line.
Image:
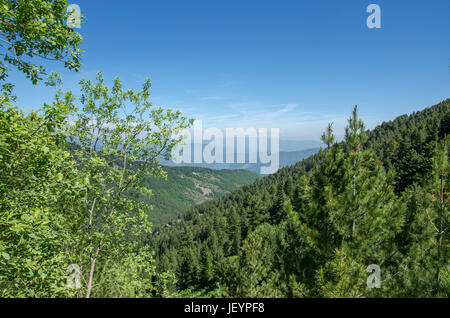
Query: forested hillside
[[188, 186], [77, 176], [380, 197]]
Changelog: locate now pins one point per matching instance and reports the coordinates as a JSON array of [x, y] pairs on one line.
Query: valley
[[189, 186]]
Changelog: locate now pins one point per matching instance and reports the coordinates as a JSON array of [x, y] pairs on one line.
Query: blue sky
[[293, 65]]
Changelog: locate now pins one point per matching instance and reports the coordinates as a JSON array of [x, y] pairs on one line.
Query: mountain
[[310, 230], [286, 158], [188, 186], [298, 145]]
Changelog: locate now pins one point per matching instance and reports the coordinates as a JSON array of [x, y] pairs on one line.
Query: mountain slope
[[210, 240], [188, 186]]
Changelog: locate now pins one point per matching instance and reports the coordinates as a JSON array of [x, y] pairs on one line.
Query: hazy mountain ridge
[[286, 158]]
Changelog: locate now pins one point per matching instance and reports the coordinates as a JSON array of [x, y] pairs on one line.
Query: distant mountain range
[[298, 145], [287, 157], [191, 184]]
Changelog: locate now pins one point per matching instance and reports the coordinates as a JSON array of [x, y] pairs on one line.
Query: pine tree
[[296, 255], [278, 211], [251, 274], [235, 233], [207, 269], [328, 136], [359, 211], [424, 267]]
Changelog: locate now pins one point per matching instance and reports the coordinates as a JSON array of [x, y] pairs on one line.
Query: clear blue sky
[[295, 65]]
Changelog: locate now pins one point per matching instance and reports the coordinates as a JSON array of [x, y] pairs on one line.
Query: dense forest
[[75, 195], [310, 230]]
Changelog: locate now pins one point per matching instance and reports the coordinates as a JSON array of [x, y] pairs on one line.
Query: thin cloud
[[222, 117], [213, 98]]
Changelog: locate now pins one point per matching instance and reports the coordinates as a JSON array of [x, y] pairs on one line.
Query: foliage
[[310, 230], [116, 130], [70, 205], [359, 202], [36, 28], [38, 181]]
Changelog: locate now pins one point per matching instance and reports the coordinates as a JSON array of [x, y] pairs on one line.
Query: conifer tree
[[297, 255], [328, 136], [278, 212], [423, 270], [360, 212], [251, 273]]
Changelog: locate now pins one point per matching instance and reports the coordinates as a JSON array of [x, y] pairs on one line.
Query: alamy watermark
[[374, 19], [251, 142], [374, 279], [74, 276], [74, 18]]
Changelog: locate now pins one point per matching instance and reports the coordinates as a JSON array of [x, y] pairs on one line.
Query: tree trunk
[[91, 276], [91, 273]]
